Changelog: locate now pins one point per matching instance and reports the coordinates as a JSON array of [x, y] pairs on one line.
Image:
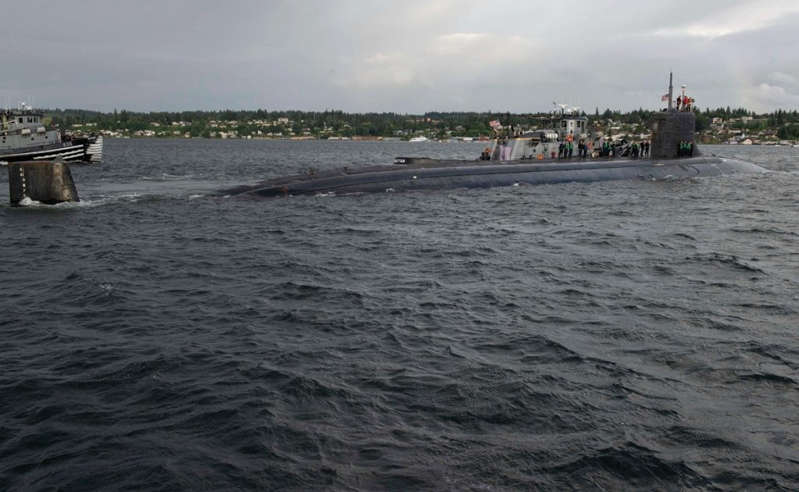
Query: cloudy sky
[[407, 56]]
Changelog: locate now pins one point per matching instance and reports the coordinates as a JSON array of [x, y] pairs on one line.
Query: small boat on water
[[24, 137], [418, 139]]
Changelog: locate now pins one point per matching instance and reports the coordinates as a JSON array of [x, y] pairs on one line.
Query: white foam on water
[[167, 177], [129, 197], [28, 202], [100, 201]]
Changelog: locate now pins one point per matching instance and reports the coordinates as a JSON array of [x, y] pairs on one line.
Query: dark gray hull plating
[[471, 174]]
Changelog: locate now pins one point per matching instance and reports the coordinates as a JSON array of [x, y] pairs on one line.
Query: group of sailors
[[602, 148], [639, 150], [566, 148], [684, 103], [685, 148]]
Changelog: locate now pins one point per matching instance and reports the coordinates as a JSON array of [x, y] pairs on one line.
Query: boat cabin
[[16, 121], [574, 126], [23, 129], [539, 136]]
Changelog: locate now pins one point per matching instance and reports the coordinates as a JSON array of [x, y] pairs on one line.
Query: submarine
[[528, 159]]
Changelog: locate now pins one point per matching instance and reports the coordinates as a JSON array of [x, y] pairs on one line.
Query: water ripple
[[623, 335]]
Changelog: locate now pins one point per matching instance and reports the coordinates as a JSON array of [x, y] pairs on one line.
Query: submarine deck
[[423, 173]]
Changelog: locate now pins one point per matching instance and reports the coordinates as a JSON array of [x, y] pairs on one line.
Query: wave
[[727, 260]]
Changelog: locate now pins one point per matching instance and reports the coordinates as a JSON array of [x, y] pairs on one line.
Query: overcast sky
[[407, 56]]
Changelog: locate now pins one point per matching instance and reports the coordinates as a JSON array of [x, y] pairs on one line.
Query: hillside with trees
[[714, 125]]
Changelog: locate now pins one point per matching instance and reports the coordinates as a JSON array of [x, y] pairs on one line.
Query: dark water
[[579, 336]]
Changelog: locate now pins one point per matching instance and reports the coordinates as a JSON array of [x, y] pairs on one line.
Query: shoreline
[[393, 139]]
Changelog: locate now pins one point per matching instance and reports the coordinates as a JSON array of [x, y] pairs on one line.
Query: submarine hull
[[437, 175]]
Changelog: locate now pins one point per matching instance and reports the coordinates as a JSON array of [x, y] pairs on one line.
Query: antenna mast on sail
[[671, 92]]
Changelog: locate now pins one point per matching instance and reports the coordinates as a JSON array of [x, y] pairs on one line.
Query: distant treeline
[[333, 122]]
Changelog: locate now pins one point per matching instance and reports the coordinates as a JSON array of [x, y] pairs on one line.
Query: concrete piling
[[47, 182]]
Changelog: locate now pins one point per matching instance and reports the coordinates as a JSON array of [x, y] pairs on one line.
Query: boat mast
[[671, 92]]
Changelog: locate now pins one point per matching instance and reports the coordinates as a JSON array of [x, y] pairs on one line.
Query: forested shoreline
[[712, 124]]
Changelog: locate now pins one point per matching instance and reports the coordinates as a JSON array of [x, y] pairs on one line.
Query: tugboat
[[539, 157], [23, 137]]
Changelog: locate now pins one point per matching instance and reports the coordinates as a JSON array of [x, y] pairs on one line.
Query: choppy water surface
[[607, 335]]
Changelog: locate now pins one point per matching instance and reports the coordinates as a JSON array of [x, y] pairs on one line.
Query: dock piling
[[47, 182]]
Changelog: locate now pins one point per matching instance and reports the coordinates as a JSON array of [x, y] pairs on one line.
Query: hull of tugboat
[[440, 175], [87, 150]]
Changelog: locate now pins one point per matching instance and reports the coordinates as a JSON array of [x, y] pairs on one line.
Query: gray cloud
[[410, 56]]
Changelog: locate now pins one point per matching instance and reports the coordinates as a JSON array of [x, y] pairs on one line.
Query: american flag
[[664, 97]]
